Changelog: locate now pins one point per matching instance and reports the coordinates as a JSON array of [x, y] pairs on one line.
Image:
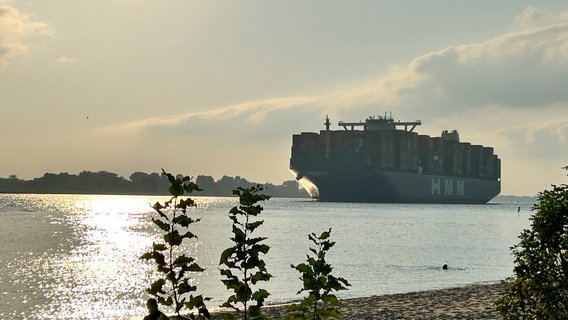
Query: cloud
[[505, 91], [65, 60], [15, 26], [249, 114], [285, 115], [533, 17], [524, 69], [520, 70], [538, 138]]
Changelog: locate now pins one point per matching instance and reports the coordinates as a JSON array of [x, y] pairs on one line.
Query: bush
[[539, 288]]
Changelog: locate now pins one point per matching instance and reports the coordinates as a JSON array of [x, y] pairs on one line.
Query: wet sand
[[469, 302]]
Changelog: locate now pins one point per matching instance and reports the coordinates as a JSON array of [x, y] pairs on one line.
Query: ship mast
[[327, 124]]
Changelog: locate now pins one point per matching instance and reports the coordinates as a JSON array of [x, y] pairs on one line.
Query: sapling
[[318, 282], [174, 289], [244, 266]]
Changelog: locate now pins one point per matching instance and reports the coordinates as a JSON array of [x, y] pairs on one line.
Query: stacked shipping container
[[393, 150]]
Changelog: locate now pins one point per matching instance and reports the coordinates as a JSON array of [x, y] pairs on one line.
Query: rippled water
[[76, 257]]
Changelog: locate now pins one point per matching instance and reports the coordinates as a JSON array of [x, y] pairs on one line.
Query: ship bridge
[[380, 123]]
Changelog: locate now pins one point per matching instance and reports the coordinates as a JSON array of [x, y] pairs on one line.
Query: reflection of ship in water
[[386, 161]]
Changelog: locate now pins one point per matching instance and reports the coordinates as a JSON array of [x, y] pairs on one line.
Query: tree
[[173, 219], [539, 288], [145, 183], [207, 183], [318, 282], [244, 257]]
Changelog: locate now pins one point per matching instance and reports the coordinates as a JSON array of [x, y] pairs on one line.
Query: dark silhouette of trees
[[104, 182], [13, 184], [207, 183], [101, 182], [146, 183]]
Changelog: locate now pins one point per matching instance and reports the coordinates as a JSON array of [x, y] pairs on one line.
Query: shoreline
[[473, 301]]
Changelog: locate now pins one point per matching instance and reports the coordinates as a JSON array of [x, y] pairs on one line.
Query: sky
[[219, 87]]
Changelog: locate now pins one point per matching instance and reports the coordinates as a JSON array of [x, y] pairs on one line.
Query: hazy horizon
[[218, 88], [217, 179]]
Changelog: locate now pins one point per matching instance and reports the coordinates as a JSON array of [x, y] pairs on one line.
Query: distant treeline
[[139, 183]]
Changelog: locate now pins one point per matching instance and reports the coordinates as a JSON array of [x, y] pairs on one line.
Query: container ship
[[383, 160]]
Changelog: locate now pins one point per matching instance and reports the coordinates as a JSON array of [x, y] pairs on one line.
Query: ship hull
[[398, 187]]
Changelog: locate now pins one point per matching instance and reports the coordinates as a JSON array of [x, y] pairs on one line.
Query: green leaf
[[173, 238], [176, 190], [146, 256], [324, 235], [303, 268], [162, 225], [195, 268], [188, 235], [254, 225], [191, 186], [157, 287], [168, 301], [330, 299], [182, 220], [184, 203], [260, 276], [159, 247], [184, 287], [158, 206], [182, 260], [159, 258], [225, 255], [240, 236]]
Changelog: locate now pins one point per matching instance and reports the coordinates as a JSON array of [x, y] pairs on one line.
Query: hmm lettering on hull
[[448, 187]]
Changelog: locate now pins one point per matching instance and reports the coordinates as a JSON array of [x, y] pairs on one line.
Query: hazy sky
[[219, 87]]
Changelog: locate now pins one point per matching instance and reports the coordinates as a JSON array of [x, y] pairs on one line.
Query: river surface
[[77, 256]]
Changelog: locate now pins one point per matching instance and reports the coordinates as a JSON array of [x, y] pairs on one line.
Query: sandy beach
[[469, 302]]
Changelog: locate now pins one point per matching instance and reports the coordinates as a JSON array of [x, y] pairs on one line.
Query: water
[[76, 257]]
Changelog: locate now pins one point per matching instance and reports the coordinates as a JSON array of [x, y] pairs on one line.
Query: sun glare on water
[[102, 275]]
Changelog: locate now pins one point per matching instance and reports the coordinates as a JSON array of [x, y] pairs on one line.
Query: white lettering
[[435, 185], [460, 186], [448, 187]]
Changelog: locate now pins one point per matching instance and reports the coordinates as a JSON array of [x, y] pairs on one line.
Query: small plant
[[173, 288], [318, 283], [244, 257]]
